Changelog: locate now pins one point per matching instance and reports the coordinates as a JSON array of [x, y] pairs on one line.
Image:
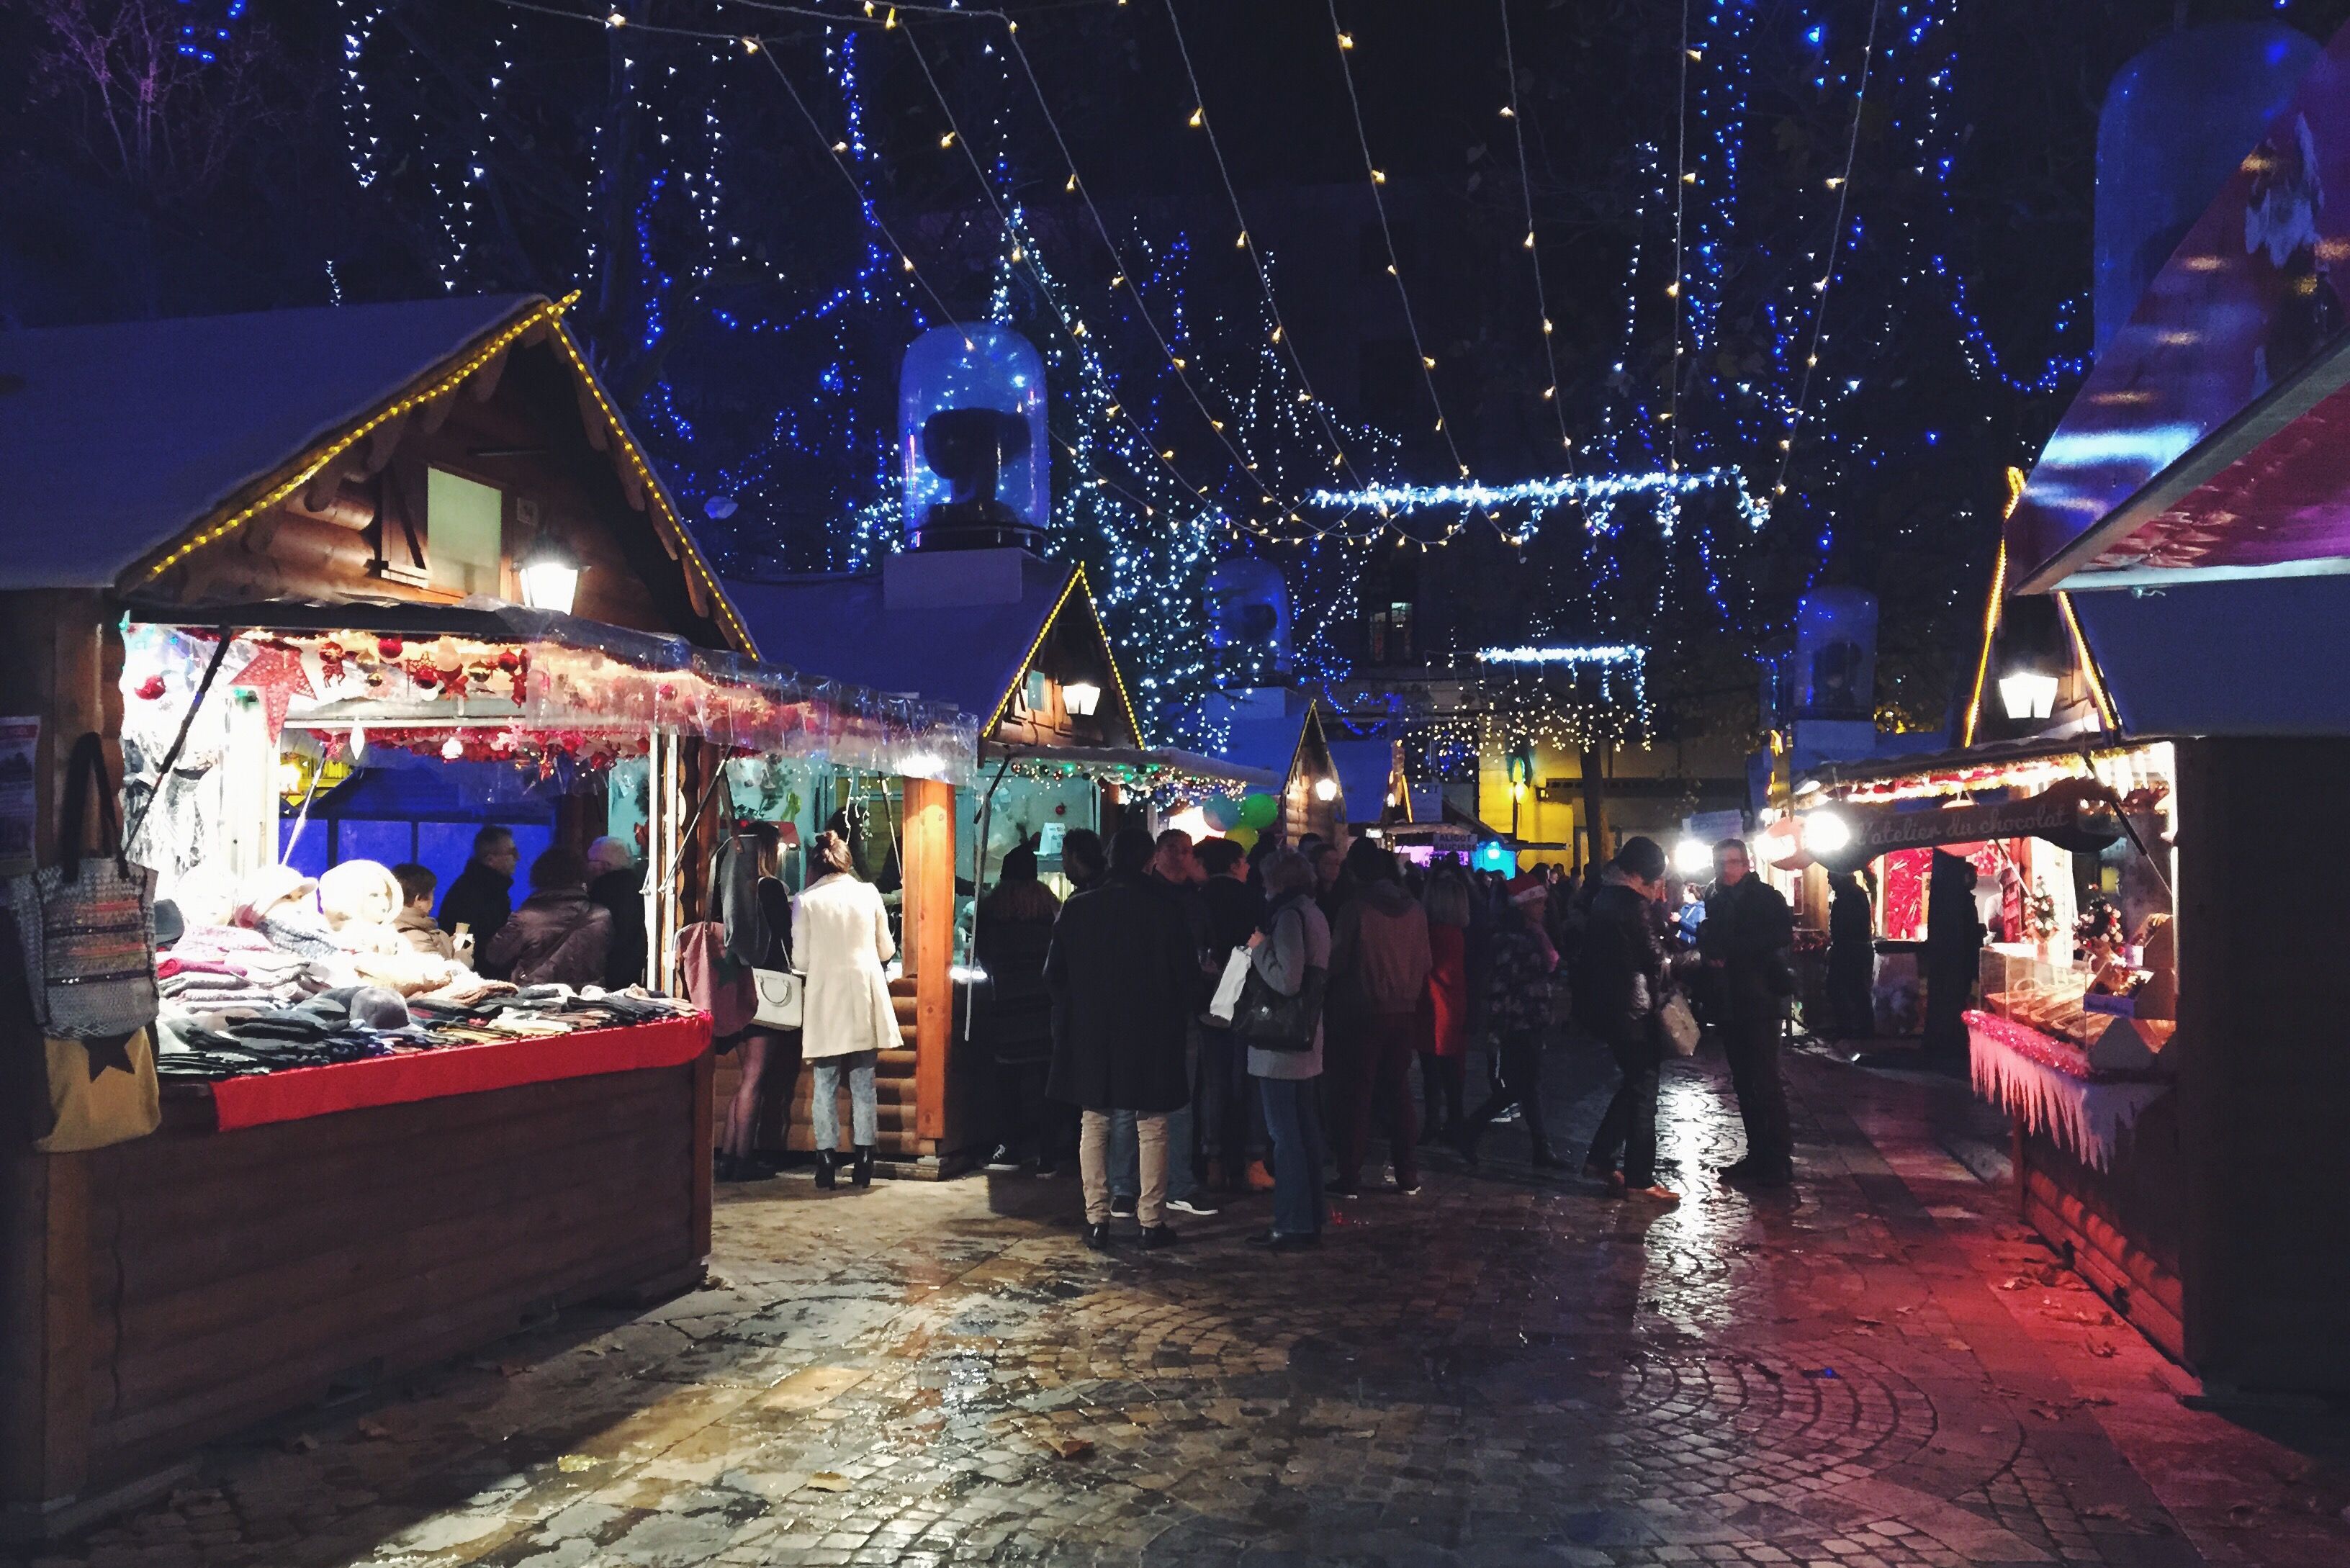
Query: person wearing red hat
[[1518, 1009]]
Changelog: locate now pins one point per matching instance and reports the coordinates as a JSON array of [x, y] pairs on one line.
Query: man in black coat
[[481, 897], [1124, 974], [1747, 938], [1232, 1136]]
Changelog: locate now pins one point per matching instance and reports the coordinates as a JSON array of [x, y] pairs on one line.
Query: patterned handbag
[[87, 924]]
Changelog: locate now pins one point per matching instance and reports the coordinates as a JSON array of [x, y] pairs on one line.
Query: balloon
[[1244, 836], [1259, 810], [1223, 812]]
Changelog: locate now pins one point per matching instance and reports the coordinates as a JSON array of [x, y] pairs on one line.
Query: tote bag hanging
[[87, 923], [101, 1091]]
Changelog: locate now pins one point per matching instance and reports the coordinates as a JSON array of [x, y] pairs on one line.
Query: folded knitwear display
[[278, 992]]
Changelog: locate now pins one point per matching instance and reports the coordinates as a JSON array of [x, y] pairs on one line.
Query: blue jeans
[[1126, 1155], [824, 1109], [1295, 1124]]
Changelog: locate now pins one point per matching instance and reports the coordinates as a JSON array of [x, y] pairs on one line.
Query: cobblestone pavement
[[1882, 1370]]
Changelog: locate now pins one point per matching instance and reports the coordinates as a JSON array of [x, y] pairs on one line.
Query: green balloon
[[1259, 810]]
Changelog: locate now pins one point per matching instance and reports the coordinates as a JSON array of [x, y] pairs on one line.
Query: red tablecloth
[[301, 1092]]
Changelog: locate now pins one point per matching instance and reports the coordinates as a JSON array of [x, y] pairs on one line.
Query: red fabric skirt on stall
[[303, 1092]]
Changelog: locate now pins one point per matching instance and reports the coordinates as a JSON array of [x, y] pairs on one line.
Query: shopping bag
[[1679, 1022], [781, 996], [1229, 986], [101, 1091], [86, 924]]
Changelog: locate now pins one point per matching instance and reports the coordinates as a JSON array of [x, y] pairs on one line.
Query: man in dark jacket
[[1012, 1009], [1746, 938], [1231, 1127], [481, 897], [1125, 974], [1852, 957], [1619, 979], [1379, 961]]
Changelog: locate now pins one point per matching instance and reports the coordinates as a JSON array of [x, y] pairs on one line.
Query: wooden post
[[929, 865], [44, 1357]]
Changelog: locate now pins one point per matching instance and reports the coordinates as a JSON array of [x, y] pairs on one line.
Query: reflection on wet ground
[[1507, 1369]]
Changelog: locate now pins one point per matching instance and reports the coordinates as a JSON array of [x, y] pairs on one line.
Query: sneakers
[[1002, 1161], [1410, 1191], [1156, 1238], [1257, 1177], [1198, 1206], [1122, 1203]]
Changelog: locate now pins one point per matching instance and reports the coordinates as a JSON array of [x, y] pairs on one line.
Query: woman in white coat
[[840, 937]]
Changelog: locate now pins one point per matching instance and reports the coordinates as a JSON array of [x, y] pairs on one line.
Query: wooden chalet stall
[[1282, 733], [2186, 536], [2065, 850], [1016, 644], [299, 536]]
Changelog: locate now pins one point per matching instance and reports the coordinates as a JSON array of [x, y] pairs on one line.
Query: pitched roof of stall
[[118, 439], [969, 655]]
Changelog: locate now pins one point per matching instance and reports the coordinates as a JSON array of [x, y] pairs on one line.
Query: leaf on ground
[[572, 1464], [827, 1480], [299, 1443], [375, 1431], [1070, 1448]]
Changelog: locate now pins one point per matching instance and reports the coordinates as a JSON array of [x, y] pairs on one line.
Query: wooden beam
[[45, 1321], [929, 865]]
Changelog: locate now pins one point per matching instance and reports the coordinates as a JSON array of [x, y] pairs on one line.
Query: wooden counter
[[170, 1290]]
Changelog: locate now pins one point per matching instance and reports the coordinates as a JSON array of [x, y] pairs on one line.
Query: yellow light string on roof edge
[[546, 313], [1991, 609], [308, 469]]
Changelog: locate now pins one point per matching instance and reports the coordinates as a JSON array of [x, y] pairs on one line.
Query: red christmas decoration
[[277, 675], [388, 647], [151, 688]]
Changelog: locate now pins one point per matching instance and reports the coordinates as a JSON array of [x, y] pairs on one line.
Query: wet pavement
[[1879, 1370]]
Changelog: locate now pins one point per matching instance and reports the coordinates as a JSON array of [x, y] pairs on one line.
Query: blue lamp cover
[[973, 368]]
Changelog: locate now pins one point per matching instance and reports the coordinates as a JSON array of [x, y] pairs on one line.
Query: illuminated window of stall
[[463, 533]]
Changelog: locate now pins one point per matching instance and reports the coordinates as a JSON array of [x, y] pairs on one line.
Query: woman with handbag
[[840, 935], [1280, 1015], [769, 1045]]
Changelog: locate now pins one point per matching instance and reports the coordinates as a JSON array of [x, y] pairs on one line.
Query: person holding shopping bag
[[840, 936]]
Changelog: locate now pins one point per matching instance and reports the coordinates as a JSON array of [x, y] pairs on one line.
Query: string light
[[1387, 233]]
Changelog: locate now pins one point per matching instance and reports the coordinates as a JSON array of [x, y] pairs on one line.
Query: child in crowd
[[414, 922]]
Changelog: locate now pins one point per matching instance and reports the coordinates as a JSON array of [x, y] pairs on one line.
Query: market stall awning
[[2072, 814], [426, 673], [1152, 768]]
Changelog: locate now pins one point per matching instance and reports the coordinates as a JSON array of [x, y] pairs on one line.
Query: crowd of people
[[1100, 1016]]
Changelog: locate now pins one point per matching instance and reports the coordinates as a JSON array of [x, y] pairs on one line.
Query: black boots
[[825, 1162], [863, 1173]]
